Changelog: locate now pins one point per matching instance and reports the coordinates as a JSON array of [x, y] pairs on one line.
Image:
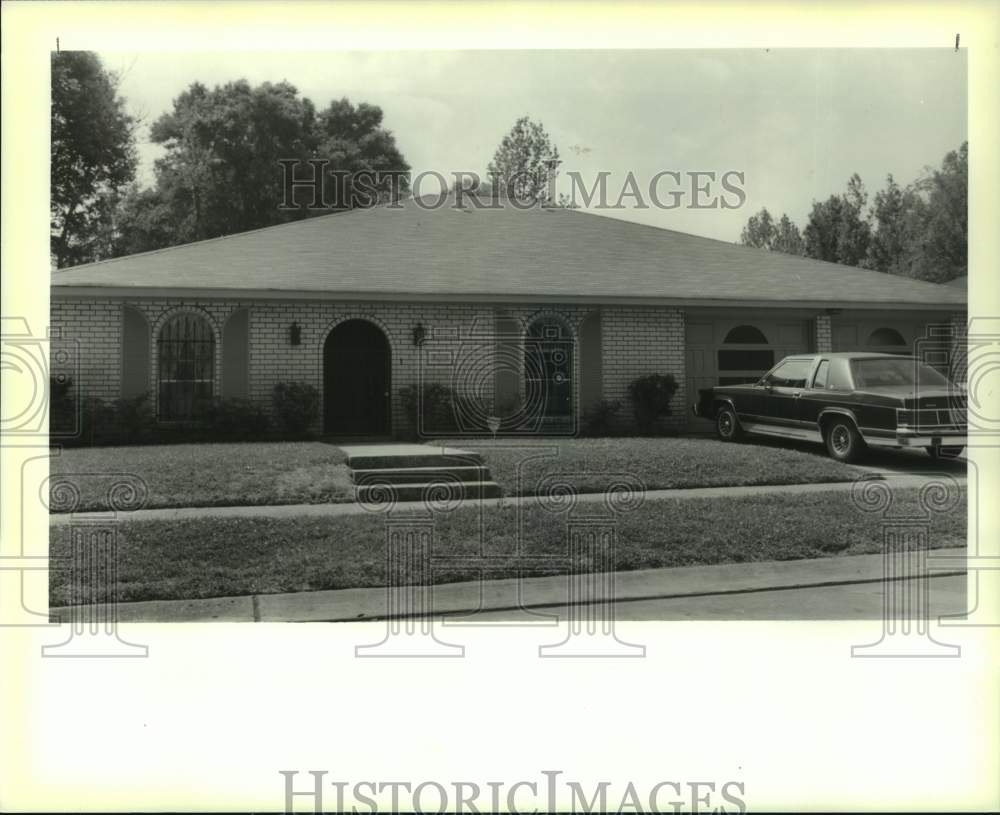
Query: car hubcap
[[725, 424], [841, 439]]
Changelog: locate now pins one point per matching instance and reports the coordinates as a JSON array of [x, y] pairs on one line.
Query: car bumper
[[921, 438]]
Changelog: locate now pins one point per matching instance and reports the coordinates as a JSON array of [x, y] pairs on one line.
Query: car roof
[[851, 355]]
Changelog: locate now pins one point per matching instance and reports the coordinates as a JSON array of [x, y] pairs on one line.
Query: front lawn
[[214, 557], [202, 475], [658, 463]]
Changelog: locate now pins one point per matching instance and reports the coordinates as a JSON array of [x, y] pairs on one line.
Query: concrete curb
[[354, 605]]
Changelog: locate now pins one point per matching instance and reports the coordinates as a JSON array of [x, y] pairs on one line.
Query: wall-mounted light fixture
[[419, 333], [295, 334]]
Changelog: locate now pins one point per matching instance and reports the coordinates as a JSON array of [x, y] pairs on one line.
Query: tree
[[761, 231], [787, 238], [939, 225], [222, 174], [93, 157], [890, 214], [838, 230], [525, 163]]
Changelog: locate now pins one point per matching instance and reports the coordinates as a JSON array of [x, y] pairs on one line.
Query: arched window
[[548, 368], [186, 375], [886, 337], [746, 335], [749, 360]]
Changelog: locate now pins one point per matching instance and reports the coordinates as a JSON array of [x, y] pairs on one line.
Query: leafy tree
[[93, 157], [759, 230], [890, 214], [762, 232], [221, 173], [838, 230], [938, 249], [787, 238], [524, 162]]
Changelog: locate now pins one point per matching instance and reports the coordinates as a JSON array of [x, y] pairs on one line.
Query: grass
[[214, 557], [658, 463], [201, 475]]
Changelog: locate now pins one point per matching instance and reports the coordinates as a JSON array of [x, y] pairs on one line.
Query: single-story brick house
[[364, 303]]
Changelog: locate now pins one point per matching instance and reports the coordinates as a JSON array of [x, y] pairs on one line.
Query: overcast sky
[[797, 123]]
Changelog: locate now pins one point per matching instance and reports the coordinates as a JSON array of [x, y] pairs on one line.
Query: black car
[[847, 401]]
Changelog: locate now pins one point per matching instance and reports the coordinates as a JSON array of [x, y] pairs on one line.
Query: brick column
[[823, 334]]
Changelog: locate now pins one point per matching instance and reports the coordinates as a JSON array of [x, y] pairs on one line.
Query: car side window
[[790, 374], [819, 381], [839, 378]]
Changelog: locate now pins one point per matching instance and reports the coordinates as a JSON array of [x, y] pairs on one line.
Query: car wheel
[[944, 452], [727, 425], [843, 442]]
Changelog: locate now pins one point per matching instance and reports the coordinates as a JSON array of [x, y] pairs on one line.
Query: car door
[[783, 388]]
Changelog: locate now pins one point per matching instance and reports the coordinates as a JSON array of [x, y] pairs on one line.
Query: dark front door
[[548, 369], [356, 380]]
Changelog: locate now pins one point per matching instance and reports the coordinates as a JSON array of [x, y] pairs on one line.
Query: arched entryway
[[356, 380]]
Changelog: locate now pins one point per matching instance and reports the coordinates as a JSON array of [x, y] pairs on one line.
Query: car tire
[[950, 451], [843, 441], [727, 426]]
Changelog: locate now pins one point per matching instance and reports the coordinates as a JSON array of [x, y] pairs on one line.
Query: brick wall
[[823, 334], [634, 341], [90, 332], [639, 341]]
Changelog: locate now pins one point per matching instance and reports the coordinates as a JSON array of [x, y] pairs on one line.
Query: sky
[[796, 123]]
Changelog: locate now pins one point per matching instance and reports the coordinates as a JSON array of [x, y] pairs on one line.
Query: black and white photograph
[[587, 347]]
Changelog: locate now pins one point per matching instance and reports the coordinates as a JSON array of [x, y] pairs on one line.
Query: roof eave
[[139, 292]]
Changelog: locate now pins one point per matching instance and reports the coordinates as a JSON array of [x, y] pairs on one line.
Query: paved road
[[859, 601]]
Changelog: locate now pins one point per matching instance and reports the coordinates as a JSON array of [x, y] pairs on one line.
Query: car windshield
[[883, 372]]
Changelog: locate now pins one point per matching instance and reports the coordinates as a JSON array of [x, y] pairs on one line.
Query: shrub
[[598, 419], [435, 407], [296, 406], [232, 416], [62, 406], [133, 417], [651, 397]]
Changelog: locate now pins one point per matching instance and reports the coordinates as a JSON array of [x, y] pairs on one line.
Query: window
[[748, 360], [878, 372], [840, 376], [819, 381], [186, 353], [791, 373], [745, 335], [886, 336]]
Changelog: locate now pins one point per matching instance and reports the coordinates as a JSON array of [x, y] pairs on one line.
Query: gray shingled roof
[[546, 253]]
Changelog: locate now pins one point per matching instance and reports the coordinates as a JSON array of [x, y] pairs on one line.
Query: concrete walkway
[[900, 481], [509, 599]]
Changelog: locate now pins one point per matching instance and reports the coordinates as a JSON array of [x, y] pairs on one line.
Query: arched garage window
[[886, 338], [745, 356], [186, 354]]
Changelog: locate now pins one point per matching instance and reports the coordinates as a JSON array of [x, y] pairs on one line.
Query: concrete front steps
[[415, 472]]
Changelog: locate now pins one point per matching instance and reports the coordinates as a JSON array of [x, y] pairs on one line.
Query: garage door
[[728, 351], [882, 336]]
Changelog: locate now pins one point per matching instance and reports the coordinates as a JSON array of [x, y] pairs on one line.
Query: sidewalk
[[900, 481], [355, 605]]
